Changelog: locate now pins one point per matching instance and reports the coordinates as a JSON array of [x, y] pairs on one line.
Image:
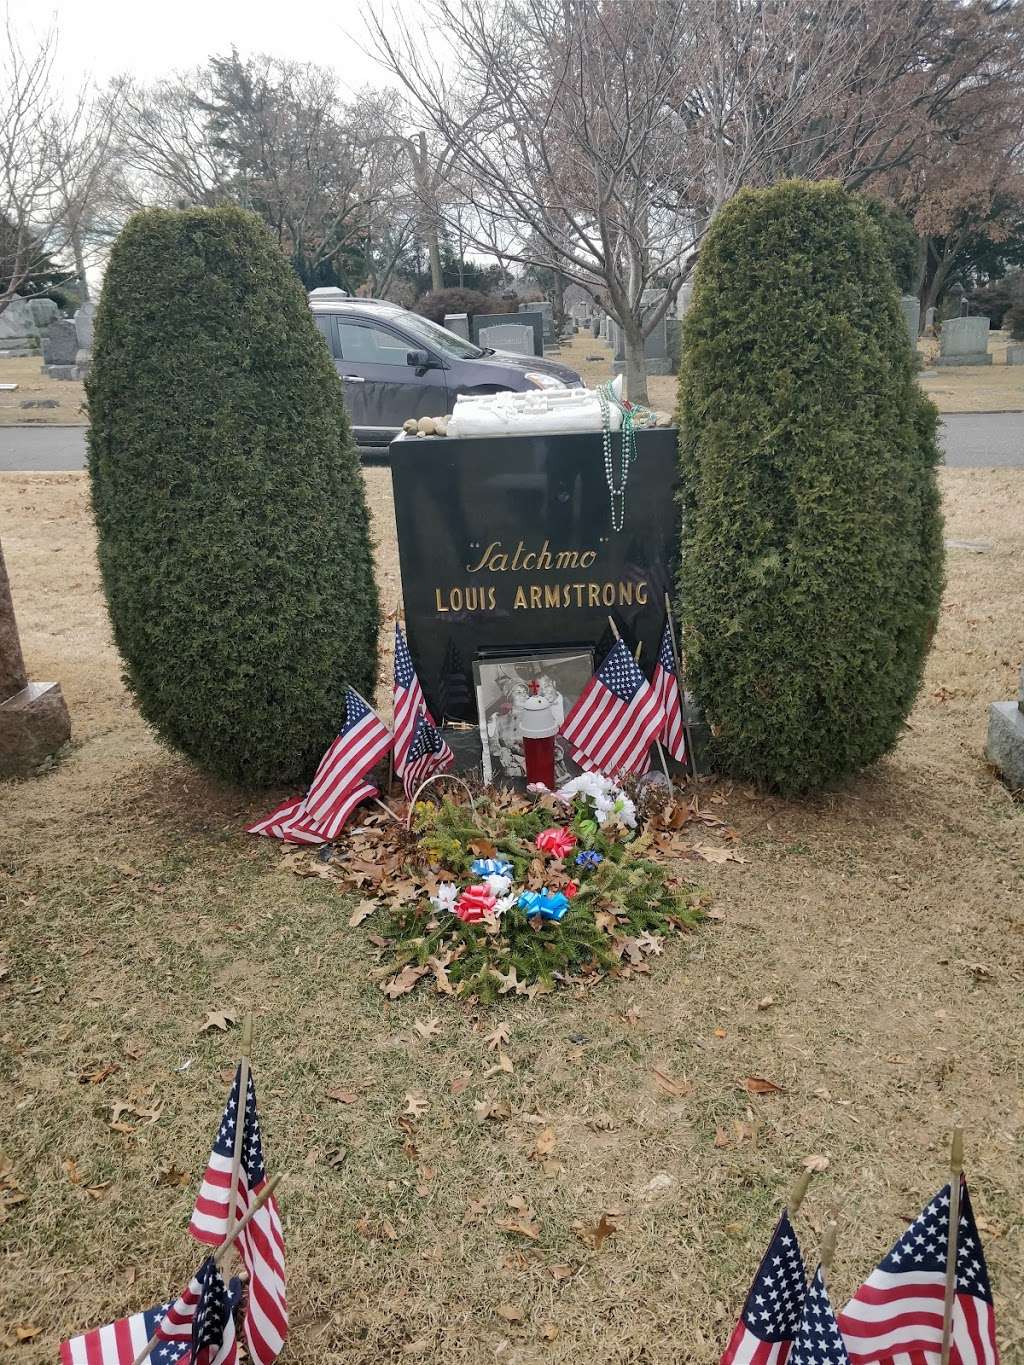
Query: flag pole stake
[[661, 752], [681, 683], [243, 1094], [222, 1250], [956, 1166], [384, 806], [798, 1193], [615, 629], [828, 1246]]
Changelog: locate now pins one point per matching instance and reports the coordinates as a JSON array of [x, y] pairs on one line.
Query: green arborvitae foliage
[[812, 539], [899, 241], [233, 530]]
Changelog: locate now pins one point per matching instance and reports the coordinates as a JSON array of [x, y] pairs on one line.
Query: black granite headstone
[[506, 543]]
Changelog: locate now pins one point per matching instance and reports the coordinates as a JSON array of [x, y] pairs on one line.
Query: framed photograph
[[501, 682]]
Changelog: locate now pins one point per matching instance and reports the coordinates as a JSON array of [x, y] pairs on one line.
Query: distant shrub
[[233, 531], [1014, 320], [998, 297], [811, 565], [900, 240], [439, 302]]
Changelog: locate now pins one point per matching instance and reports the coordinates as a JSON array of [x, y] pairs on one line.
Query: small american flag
[[428, 754], [338, 784], [262, 1242], [665, 682], [896, 1314], [771, 1314], [818, 1339], [119, 1343], [617, 717], [409, 704], [203, 1314]]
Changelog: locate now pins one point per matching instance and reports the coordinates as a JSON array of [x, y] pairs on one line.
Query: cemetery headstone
[[508, 337], [60, 349], [656, 349], [84, 325], [457, 323], [22, 323], [1015, 355], [506, 545], [547, 311], [929, 319], [1005, 746], [964, 341], [910, 307], [532, 319], [34, 719]]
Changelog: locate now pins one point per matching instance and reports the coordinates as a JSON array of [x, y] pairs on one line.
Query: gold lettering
[[527, 559], [586, 558], [455, 598], [475, 568], [437, 598], [566, 559], [641, 588], [552, 595], [593, 595], [579, 592], [535, 596], [607, 595], [625, 594], [520, 600], [544, 558], [492, 601]]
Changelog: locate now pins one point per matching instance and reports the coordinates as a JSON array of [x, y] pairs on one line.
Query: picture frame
[[501, 679]]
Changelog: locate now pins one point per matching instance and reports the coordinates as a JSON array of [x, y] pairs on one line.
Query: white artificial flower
[[498, 883], [447, 895], [503, 904]]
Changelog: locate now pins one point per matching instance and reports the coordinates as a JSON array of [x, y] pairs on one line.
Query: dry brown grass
[[885, 920], [995, 388], [26, 372]]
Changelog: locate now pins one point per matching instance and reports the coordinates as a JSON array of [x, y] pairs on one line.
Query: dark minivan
[[396, 364]]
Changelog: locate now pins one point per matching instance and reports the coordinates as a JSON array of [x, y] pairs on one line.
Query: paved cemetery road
[[971, 441]]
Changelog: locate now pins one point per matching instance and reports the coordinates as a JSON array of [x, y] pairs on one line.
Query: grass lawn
[[866, 957]]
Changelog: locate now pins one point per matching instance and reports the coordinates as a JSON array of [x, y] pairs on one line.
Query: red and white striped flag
[[262, 1242], [338, 784], [428, 755], [771, 1315], [197, 1328], [665, 682], [895, 1317], [616, 718], [409, 703]]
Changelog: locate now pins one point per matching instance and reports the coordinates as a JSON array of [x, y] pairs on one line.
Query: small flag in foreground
[[771, 1314], [896, 1314], [119, 1343], [262, 1242], [818, 1339], [616, 718], [665, 682], [338, 784], [428, 755], [409, 703], [202, 1317]]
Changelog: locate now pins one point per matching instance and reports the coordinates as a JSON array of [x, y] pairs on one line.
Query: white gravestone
[[964, 341], [508, 337]]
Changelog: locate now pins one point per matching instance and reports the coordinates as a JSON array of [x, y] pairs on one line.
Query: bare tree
[[54, 161], [562, 121]]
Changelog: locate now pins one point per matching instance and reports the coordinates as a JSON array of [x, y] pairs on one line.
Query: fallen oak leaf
[[713, 853], [504, 1063], [342, 1096], [543, 1146], [218, 1019], [815, 1163], [415, 1106], [403, 982], [499, 1037], [26, 1331], [99, 1076], [668, 1085], [362, 911], [757, 1085], [510, 1312], [427, 1028], [596, 1237]]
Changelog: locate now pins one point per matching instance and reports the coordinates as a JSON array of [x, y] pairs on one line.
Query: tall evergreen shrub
[[233, 530], [812, 540]]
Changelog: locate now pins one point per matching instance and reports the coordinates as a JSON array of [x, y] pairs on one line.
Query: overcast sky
[[106, 37]]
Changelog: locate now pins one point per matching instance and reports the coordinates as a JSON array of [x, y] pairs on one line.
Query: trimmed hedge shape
[[811, 567], [233, 532]]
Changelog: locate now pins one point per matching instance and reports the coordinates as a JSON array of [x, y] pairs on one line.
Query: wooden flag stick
[[615, 629], [225, 1246], [681, 682], [956, 1166], [798, 1192], [828, 1246], [243, 1094]]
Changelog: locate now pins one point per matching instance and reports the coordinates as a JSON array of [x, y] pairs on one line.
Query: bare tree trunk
[[428, 215], [83, 283], [636, 363]]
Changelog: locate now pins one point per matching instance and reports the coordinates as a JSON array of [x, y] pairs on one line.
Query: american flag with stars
[[771, 1314], [409, 703], [665, 682], [616, 718], [338, 784], [818, 1339], [203, 1313], [119, 1343], [262, 1242], [895, 1317], [428, 755]]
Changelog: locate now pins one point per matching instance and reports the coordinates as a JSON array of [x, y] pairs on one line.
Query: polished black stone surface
[[506, 543]]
